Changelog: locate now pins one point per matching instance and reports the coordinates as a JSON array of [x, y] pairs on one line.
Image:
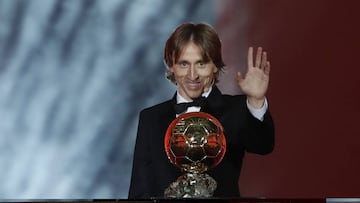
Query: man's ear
[[215, 69]]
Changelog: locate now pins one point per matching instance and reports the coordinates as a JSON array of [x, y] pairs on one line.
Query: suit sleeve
[[260, 138]]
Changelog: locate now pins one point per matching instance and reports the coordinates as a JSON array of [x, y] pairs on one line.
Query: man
[[193, 58]]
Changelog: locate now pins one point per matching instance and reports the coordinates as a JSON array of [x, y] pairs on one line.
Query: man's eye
[[201, 64], [183, 64]]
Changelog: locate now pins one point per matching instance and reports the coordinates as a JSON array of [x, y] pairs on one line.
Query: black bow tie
[[182, 107]]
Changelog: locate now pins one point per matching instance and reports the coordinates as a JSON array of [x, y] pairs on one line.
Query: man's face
[[192, 74]]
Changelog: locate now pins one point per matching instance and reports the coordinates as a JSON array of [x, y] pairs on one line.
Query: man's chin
[[195, 95]]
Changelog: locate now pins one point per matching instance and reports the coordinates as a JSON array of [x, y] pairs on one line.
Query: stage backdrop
[[314, 94], [74, 75]]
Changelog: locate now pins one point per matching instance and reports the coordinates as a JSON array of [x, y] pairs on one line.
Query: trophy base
[[191, 185]]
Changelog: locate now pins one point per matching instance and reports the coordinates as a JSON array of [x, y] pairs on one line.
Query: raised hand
[[256, 80]]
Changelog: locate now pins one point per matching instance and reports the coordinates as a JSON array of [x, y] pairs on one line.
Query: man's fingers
[[239, 76], [267, 68], [258, 57], [263, 60], [250, 58]]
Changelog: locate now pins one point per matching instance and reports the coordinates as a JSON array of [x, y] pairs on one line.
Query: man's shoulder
[[217, 93], [233, 98], [158, 107]]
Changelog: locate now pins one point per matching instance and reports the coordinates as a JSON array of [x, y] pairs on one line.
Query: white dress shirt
[[257, 113]]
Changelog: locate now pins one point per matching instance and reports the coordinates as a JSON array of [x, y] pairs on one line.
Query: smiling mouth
[[193, 85]]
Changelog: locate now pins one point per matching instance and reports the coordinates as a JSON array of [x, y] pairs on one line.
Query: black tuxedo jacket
[[152, 171]]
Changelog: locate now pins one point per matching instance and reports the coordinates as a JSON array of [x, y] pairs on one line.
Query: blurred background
[[74, 75]]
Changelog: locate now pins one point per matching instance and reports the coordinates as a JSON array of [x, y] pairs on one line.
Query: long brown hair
[[204, 36]]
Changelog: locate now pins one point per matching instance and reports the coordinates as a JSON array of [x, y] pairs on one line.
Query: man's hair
[[202, 35]]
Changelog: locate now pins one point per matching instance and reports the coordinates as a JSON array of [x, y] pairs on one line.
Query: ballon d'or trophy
[[194, 142]]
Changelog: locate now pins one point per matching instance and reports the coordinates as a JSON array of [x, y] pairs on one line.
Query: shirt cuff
[[258, 113]]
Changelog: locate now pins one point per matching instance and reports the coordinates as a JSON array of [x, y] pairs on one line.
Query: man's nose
[[192, 73]]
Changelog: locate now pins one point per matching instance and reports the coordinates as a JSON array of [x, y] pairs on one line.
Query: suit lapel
[[215, 103], [168, 113]]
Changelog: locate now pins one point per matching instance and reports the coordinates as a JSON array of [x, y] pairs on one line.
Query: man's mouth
[[193, 85]]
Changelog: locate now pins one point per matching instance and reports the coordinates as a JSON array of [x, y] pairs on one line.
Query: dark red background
[[314, 93]]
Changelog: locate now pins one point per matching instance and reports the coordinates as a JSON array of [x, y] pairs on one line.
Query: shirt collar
[[181, 99]]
